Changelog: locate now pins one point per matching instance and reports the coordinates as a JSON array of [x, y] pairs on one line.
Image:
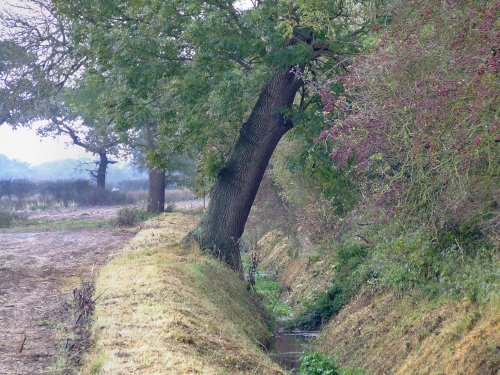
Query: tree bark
[[101, 171], [233, 194], [100, 177], [156, 194]]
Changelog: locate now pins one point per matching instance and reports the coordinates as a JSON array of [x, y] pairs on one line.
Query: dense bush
[[20, 188], [416, 126], [412, 139], [6, 218], [464, 265], [308, 208], [6, 188], [23, 188], [130, 216], [66, 191]]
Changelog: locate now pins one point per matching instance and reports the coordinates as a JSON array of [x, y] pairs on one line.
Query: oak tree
[[232, 74]]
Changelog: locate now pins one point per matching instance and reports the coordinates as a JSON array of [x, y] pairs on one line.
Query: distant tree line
[[81, 192]]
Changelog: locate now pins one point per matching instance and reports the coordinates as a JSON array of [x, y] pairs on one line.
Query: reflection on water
[[289, 345]]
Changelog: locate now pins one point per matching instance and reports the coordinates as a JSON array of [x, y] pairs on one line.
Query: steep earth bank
[[167, 310], [383, 332]]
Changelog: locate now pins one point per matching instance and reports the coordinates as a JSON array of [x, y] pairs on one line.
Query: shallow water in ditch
[[289, 345]]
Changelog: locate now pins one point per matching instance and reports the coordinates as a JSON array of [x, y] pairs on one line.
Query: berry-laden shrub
[[417, 125]]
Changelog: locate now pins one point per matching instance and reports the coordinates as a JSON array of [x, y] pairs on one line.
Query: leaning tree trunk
[[232, 196], [156, 194]]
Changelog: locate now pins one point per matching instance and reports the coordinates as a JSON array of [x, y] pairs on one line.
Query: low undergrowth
[[349, 277], [265, 286], [384, 333], [130, 216], [269, 291], [7, 218], [74, 330], [460, 263], [316, 363]]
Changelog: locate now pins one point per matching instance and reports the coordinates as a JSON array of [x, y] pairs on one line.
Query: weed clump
[[316, 363], [129, 216]]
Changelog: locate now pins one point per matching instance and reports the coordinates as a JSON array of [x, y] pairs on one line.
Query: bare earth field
[[38, 270]]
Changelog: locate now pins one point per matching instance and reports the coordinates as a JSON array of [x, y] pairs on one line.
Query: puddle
[[289, 345]]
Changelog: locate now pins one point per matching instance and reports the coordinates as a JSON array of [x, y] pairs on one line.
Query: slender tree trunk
[[156, 194], [232, 196], [101, 171]]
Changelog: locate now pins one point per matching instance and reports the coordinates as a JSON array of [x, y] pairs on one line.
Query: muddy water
[[289, 345]]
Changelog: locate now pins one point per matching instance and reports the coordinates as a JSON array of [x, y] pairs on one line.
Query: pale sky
[[25, 145]]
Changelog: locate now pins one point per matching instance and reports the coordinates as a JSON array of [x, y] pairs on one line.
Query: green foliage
[[461, 263], [203, 64], [17, 106], [317, 364], [350, 275], [414, 169], [336, 186], [321, 309], [130, 216], [304, 183], [269, 289]]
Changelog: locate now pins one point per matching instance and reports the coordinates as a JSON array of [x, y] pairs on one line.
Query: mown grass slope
[[163, 309], [383, 333]]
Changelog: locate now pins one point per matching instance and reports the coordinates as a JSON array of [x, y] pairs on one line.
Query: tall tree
[[145, 143], [78, 114], [42, 78], [226, 67]]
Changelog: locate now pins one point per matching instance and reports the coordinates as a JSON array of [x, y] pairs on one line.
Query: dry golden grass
[[302, 276], [385, 334], [167, 310]]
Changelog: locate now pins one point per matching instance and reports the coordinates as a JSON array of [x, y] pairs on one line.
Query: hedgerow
[[412, 137], [417, 122]]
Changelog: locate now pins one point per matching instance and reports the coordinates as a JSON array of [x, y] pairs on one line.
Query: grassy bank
[[376, 327], [382, 333], [165, 310]]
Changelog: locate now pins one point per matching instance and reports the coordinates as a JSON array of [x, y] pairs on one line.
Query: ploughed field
[[40, 265]]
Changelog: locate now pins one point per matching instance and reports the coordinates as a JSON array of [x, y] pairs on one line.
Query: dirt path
[[38, 270]]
